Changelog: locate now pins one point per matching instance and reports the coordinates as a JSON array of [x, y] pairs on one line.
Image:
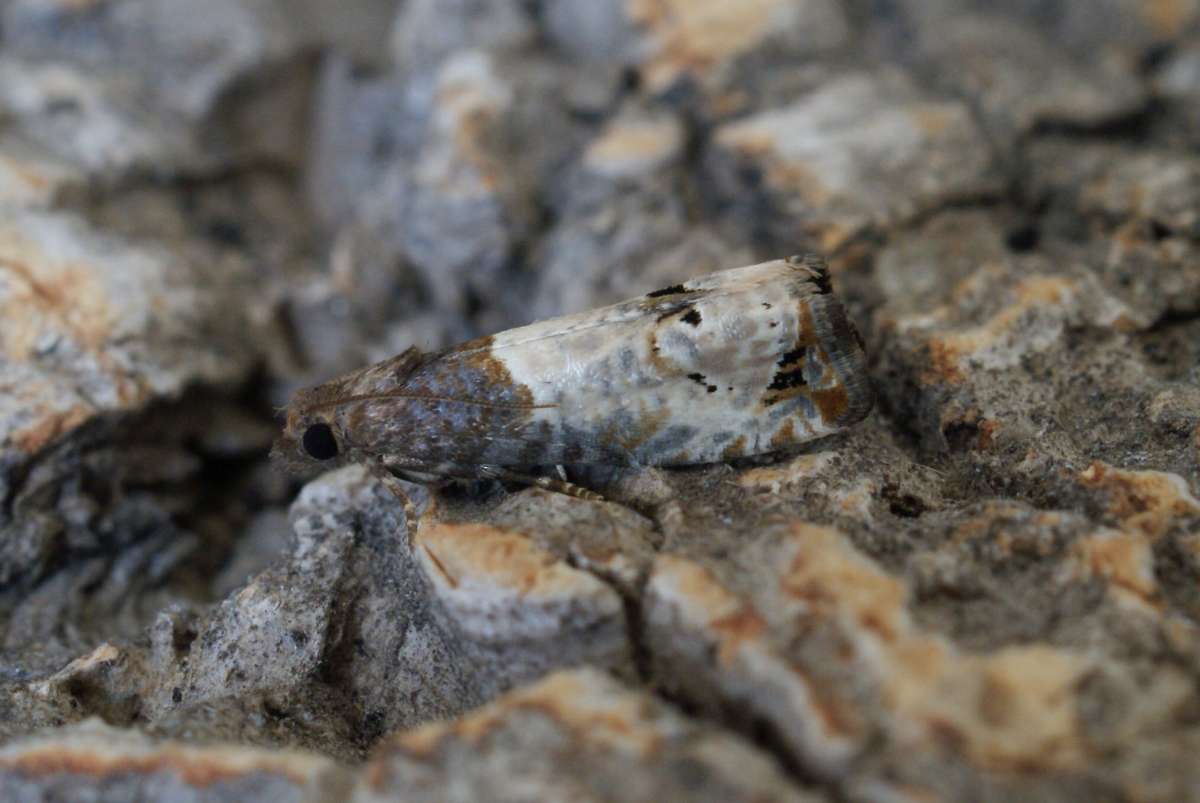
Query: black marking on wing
[[791, 370], [674, 289], [628, 311], [685, 311], [700, 379]]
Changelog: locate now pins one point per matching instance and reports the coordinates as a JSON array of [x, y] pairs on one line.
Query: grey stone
[[98, 763], [426, 31], [985, 591], [864, 153], [97, 328], [1018, 79], [674, 43], [576, 735]]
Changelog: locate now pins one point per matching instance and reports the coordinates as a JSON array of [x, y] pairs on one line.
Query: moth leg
[[549, 483], [382, 473]]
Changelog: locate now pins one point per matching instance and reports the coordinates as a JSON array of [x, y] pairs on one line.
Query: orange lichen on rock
[[1013, 709], [477, 555], [731, 619], [495, 587], [691, 36], [1124, 559], [97, 751], [692, 605], [634, 147], [803, 468], [948, 352], [49, 298], [593, 708], [762, 140], [48, 427], [835, 580], [1170, 18], [1145, 502]]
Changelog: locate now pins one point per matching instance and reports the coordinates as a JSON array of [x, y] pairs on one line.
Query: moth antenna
[[423, 397]]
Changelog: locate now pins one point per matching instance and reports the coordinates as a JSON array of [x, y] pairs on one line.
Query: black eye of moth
[[319, 442]]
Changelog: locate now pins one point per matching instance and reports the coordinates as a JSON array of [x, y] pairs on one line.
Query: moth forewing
[[741, 362]]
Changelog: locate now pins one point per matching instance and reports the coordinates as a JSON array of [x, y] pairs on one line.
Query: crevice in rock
[[724, 714], [122, 467], [1136, 127]]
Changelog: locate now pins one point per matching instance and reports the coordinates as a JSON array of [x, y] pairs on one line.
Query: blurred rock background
[[987, 591]]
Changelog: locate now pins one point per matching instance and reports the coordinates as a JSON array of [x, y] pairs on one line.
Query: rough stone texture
[[94, 762], [628, 219], [674, 42], [986, 591], [998, 61], [95, 326], [572, 736], [861, 154]]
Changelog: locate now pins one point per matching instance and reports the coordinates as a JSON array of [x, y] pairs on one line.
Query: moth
[[741, 362]]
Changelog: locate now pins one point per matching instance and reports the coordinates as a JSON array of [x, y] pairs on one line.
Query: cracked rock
[[576, 735], [114, 764], [671, 42], [986, 590], [515, 609], [1018, 79], [95, 328], [865, 152]]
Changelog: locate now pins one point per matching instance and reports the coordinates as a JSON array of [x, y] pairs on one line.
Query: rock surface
[[985, 591]]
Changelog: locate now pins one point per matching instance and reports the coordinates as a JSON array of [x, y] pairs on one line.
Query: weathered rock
[[629, 220], [1018, 79], [864, 153], [693, 41], [129, 88], [575, 735], [194, 63], [1009, 389], [985, 591], [608, 540], [96, 328], [709, 645], [90, 121], [94, 762], [823, 651], [426, 31], [1157, 187], [1177, 82], [515, 610], [31, 175], [371, 637], [450, 158], [407, 633], [1121, 31]]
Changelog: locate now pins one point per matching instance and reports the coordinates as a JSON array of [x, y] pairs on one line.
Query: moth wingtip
[[842, 341], [817, 269]]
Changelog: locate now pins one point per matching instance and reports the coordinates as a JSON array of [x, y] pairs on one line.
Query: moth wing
[[741, 362]]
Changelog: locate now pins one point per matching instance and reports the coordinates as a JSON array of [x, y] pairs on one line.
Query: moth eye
[[319, 442]]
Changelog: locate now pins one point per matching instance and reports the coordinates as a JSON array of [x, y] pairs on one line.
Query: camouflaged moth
[[741, 362]]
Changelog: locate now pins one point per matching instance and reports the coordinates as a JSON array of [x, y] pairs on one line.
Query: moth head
[[321, 432], [312, 440]]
